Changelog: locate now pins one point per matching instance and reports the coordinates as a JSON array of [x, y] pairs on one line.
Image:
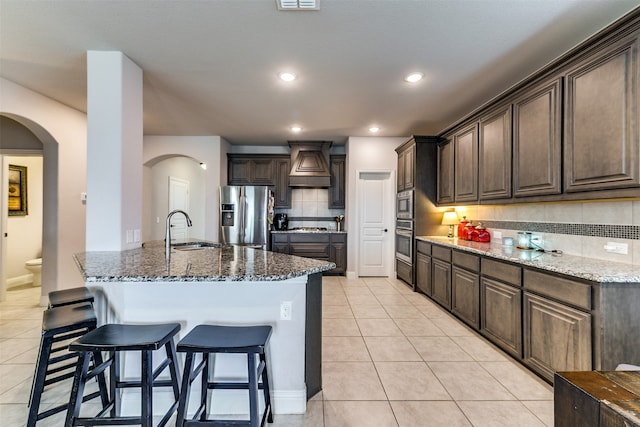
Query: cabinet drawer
[[502, 271], [309, 238], [465, 260], [279, 238], [564, 290], [423, 247], [310, 250], [338, 238], [441, 253]]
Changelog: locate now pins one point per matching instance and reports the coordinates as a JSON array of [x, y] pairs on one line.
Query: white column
[[114, 152]]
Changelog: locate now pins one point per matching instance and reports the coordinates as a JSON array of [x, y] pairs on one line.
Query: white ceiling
[[210, 66]]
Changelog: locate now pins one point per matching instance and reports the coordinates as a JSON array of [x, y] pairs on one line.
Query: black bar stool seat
[[70, 296], [55, 363], [114, 339], [207, 339]]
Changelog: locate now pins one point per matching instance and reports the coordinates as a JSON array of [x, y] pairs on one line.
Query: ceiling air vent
[[298, 4]]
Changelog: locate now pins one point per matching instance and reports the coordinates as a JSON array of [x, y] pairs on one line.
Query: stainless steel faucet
[[167, 236]]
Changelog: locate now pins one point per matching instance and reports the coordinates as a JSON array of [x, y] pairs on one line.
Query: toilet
[[35, 267]]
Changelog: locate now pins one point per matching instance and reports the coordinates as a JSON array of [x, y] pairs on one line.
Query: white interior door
[[375, 206], [179, 199]]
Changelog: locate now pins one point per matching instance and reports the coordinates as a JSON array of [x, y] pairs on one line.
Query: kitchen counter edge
[[592, 269]]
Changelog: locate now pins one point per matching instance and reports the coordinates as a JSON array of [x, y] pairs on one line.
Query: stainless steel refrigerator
[[244, 215]]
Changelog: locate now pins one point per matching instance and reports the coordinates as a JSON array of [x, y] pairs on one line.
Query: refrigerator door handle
[[243, 213]]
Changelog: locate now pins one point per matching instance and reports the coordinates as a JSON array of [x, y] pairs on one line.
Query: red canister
[[480, 234], [461, 227], [468, 231]]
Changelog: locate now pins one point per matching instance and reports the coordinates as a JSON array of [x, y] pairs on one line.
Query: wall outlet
[[497, 235], [136, 236], [617, 248], [285, 310], [129, 236]]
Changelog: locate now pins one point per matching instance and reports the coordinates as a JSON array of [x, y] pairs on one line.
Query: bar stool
[[207, 339], [56, 364], [70, 296], [114, 339]]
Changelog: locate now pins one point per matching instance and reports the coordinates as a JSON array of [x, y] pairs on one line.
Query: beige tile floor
[[391, 357]]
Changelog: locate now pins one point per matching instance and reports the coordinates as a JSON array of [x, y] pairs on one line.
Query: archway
[[49, 204]]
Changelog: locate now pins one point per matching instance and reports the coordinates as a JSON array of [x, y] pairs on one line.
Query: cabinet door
[[465, 296], [601, 121], [441, 282], [281, 248], [409, 166], [262, 172], [466, 165], [537, 133], [445, 172], [404, 272], [495, 155], [338, 255], [401, 171], [500, 315], [282, 189], [239, 172], [338, 180], [556, 337], [423, 273]]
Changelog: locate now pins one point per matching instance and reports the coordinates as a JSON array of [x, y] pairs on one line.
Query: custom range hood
[[310, 164]]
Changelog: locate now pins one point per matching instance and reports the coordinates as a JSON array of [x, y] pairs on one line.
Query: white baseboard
[[351, 275], [14, 282]]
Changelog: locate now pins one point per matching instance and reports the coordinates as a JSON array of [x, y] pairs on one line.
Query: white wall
[[189, 170], [63, 132], [365, 154], [24, 241], [211, 150]]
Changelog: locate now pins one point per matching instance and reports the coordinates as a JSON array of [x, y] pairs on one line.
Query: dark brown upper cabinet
[[466, 164], [445, 172], [337, 165], [537, 140], [495, 154], [406, 166], [601, 120]]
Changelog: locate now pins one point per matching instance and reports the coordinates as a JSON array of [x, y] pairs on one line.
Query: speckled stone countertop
[[225, 263], [309, 231], [596, 270]]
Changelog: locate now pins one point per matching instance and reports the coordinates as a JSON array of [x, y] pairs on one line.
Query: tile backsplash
[[312, 203], [578, 228]]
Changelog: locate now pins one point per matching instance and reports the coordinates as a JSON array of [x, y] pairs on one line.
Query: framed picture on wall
[[17, 190]]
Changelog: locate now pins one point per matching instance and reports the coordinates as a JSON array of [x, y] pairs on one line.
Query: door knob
[[385, 230]]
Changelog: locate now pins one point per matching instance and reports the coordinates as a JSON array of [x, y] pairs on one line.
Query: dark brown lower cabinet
[[441, 282], [557, 337], [465, 296], [500, 313], [404, 271], [423, 273], [323, 246]]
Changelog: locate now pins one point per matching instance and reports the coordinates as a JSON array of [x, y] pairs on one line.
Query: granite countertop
[[315, 231], [220, 263], [596, 270]]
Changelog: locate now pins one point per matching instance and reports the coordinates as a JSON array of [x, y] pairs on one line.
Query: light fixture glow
[[296, 128], [287, 76], [203, 165], [413, 77], [374, 129]]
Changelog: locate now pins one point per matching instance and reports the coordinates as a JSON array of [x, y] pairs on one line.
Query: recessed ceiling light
[[287, 76], [296, 128], [374, 129], [413, 77]]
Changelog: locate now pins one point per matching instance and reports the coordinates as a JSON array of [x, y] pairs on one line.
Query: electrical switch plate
[[83, 197], [617, 248], [497, 235], [285, 310]]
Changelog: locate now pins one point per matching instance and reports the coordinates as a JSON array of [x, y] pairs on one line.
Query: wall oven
[[404, 241], [404, 204]]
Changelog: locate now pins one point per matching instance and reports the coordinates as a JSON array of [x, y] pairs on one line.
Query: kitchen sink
[[193, 246]]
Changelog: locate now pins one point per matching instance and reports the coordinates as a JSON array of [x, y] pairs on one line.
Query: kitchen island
[[219, 284], [553, 312]]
